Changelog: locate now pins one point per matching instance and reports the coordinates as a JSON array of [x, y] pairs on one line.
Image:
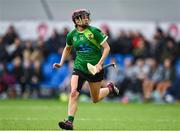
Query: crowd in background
[[147, 69]]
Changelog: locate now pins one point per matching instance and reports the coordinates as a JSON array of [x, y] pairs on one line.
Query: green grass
[[45, 114]]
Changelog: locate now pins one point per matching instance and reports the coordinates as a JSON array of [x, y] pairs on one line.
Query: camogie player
[[91, 47]]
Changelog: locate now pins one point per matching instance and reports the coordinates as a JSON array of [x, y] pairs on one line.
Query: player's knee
[[74, 93]]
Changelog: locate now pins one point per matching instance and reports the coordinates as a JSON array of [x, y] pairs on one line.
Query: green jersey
[[87, 45]]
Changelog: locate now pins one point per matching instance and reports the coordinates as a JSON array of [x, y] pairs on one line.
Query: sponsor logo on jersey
[[90, 36], [84, 48]]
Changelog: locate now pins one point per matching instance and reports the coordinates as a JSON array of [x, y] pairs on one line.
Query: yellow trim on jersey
[[87, 33], [104, 40]]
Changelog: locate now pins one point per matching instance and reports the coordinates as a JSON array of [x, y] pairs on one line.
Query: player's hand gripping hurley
[[93, 70]]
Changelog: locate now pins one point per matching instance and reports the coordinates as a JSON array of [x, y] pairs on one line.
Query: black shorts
[[87, 77]]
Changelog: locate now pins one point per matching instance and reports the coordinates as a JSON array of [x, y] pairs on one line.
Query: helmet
[[79, 13]]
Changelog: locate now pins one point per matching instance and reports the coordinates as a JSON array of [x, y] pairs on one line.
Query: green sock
[[71, 118]]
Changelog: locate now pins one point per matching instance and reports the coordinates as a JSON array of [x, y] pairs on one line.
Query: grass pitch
[[45, 114]]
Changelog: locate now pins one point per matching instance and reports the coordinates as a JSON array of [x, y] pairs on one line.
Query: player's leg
[[76, 85], [98, 93], [73, 97], [95, 83]]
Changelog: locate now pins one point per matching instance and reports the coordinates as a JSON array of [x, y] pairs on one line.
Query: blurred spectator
[[126, 77], [139, 74], [62, 38], [121, 44], [18, 71], [3, 52], [38, 52], [141, 50], [15, 49], [173, 92], [3, 86], [168, 76], [7, 82], [135, 38], [10, 35], [113, 74], [28, 45], [36, 78], [27, 73], [169, 50], [156, 44], [178, 47], [53, 43], [154, 76], [10, 80]]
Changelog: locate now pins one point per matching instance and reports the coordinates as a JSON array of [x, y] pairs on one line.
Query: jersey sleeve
[[99, 36], [69, 39]]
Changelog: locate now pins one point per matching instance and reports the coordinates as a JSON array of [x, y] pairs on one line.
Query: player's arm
[[65, 54], [105, 53]]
